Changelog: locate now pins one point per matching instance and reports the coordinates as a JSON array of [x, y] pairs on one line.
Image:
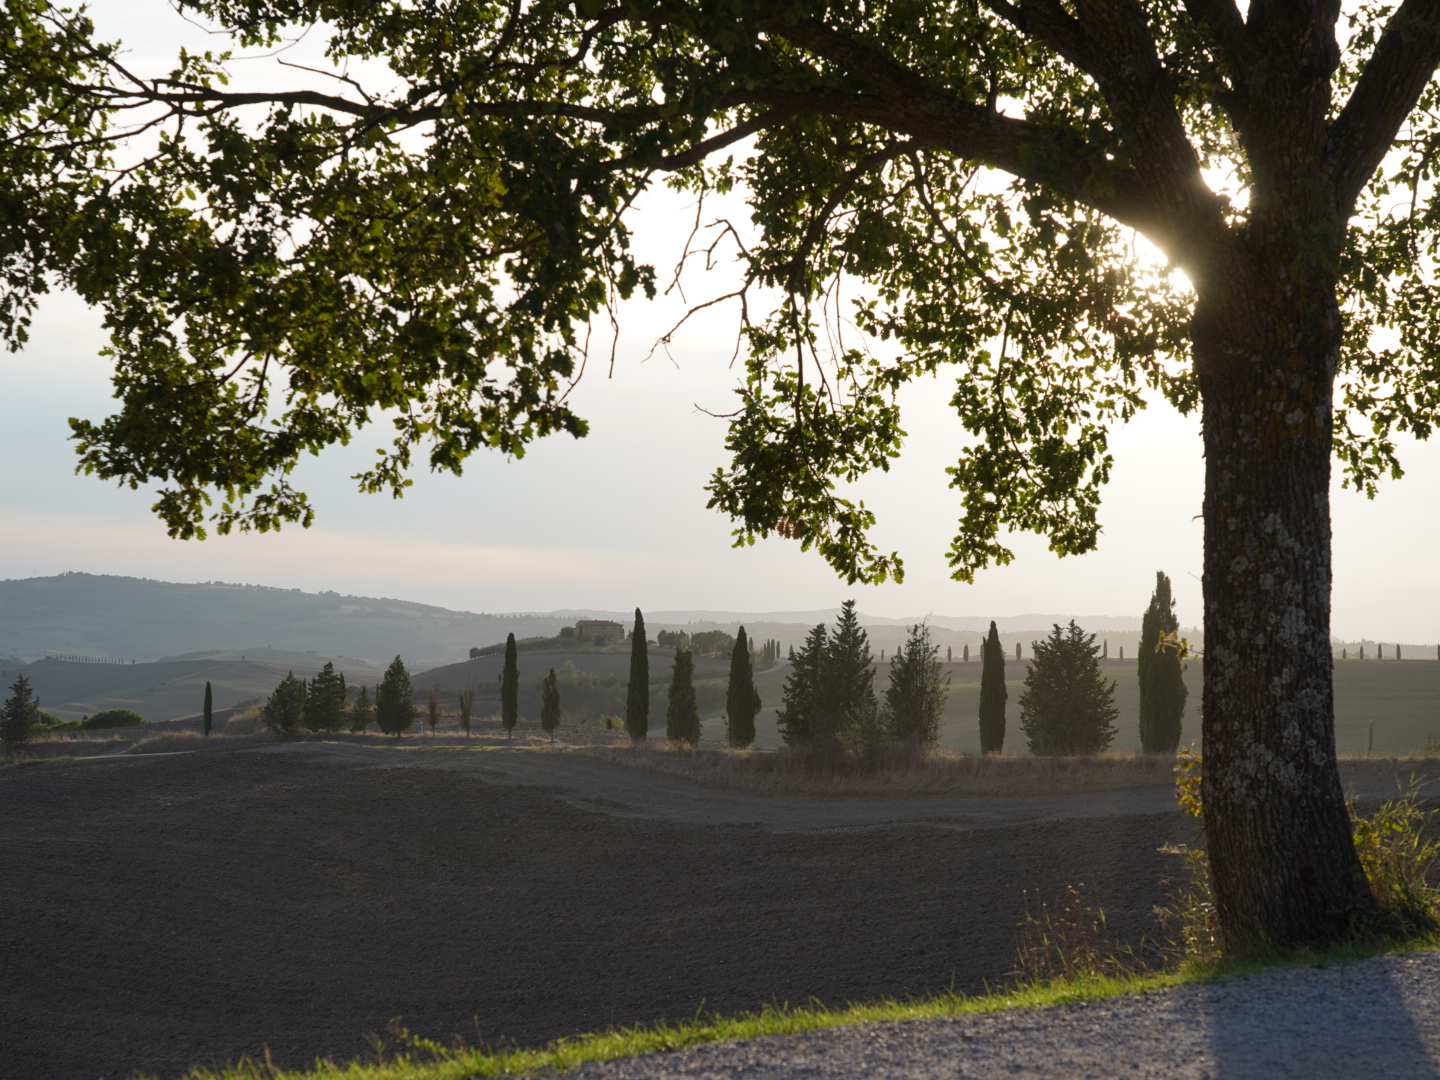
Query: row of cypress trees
[[682, 712], [1067, 706]]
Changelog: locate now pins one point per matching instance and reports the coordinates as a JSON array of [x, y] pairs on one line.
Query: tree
[[467, 704], [510, 687], [395, 700], [984, 169], [432, 710], [20, 715], [742, 700], [1162, 678], [712, 643], [550, 704], [915, 698], [682, 711], [1067, 706], [847, 691], [207, 714], [800, 702], [362, 712], [993, 694], [286, 706], [325, 700], [637, 694]]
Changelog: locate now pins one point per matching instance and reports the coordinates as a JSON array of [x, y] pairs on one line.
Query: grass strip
[[408, 1057], [418, 1059]]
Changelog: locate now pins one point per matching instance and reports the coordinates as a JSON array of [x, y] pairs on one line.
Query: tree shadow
[[1373, 1018]]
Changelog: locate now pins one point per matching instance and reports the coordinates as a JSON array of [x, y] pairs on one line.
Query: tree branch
[[1180, 223], [1402, 64], [1051, 24]]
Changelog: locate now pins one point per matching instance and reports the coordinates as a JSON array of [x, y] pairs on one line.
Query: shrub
[[112, 718], [915, 698], [395, 700], [800, 701], [1067, 706], [286, 708], [712, 643], [20, 715]]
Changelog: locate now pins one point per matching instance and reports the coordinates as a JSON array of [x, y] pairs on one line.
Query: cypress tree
[[550, 704], [967, 654], [1162, 679], [1017, 652], [362, 712], [286, 708], [1067, 706], [801, 700], [510, 687], [915, 698], [207, 718], [948, 657], [20, 715], [637, 694], [993, 694], [395, 700], [742, 700], [682, 712], [432, 710], [848, 686]]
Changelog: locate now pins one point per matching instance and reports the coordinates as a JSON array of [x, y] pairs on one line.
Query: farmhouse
[[604, 629]]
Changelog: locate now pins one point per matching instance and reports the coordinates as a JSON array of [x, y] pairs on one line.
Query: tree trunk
[[1283, 861]]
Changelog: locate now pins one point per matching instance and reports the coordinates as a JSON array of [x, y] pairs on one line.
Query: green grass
[[405, 1057]]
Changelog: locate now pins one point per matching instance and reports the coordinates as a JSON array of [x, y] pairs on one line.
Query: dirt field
[[169, 910]]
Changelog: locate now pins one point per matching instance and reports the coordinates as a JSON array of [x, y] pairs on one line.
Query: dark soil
[[171, 911]]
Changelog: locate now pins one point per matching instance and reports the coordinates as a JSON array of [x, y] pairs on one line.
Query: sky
[[618, 519]]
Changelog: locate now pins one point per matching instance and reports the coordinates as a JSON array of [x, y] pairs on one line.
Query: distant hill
[[144, 620], [172, 688], [135, 618]]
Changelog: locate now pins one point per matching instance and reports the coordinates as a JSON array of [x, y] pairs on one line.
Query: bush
[[915, 698], [112, 718], [712, 643], [1068, 707], [19, 717], [395, 700], [286, 707]]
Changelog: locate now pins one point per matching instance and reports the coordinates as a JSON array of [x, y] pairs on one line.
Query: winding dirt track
[[167, 911]]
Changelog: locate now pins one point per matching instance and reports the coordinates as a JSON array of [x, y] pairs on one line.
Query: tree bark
[[1283, 861]]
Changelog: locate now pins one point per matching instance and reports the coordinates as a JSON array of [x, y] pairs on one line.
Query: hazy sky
[[619, 519]]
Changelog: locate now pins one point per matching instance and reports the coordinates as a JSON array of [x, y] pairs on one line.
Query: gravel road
[[1376, 1018]]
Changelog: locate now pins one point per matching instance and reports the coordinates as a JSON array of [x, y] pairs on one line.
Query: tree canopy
[[280, 267], [937, 184]]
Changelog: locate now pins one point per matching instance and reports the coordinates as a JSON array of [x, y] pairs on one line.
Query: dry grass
[[897, 770]]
